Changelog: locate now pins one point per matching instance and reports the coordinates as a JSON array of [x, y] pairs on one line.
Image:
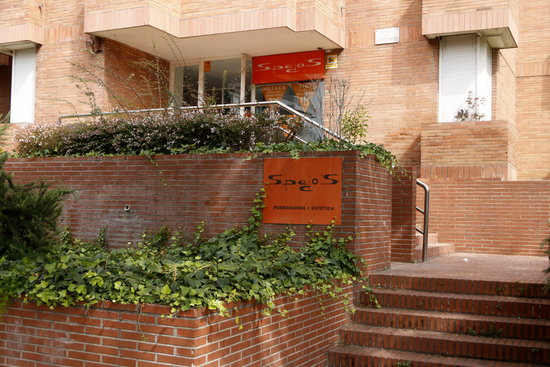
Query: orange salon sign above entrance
[[303, 191], [292, 67]]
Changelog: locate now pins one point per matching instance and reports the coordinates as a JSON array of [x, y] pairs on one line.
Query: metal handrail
[[220, 106], [426, 212]]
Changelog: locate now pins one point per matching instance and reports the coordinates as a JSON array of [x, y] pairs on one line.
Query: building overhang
[[20, 36], [252, 43], [253, 33], [497, 25]]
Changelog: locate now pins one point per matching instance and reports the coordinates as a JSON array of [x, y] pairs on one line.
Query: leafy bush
[[354, 124], [188, 132], [471, 111], [28, 215], [163, 133], [238, 264]]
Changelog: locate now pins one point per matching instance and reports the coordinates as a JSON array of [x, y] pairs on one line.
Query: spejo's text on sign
[[303, 191]]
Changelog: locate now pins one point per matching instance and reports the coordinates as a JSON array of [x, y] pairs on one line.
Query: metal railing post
[[426, 212]]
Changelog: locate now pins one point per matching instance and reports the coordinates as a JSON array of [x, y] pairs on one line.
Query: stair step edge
[[488, 297], [469, 317], [446, 336], [434, 360]]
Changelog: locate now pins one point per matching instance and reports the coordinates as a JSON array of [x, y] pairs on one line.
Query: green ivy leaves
[[238, 264]]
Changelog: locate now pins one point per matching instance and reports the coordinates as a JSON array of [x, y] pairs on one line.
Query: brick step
[[492, 326], [437, 343], [354, 356], [433, 238], [454, 285], [434, 250], [535, 308]]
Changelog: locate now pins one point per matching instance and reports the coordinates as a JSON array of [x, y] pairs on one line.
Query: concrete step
[[457, 285], [447, 344], [434, 250], [466, 324], [461, 303], [354, 356]]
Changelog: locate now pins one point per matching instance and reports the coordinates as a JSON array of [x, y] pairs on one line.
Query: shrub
[[190, 132], [162, 133], [28, 215], [472, 109]]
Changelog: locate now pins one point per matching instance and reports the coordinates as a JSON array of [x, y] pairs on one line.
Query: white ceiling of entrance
[[253, 43]]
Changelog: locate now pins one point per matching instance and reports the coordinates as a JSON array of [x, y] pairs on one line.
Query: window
[[23, 85], [464, 71]]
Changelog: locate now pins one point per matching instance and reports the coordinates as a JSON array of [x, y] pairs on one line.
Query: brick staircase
[[444, 321]]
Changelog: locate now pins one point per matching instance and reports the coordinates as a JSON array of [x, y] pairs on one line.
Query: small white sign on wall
[[386, 35]]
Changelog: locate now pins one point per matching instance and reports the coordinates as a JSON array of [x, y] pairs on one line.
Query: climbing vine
[[185, 272]]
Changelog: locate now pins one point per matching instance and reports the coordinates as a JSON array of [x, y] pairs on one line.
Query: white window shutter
[[23, 85], [457, 74]]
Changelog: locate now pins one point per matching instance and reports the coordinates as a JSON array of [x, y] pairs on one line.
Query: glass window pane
[[186, 85], [222, 81]]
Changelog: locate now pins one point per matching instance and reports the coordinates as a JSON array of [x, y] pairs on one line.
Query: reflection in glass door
[[305, 97]]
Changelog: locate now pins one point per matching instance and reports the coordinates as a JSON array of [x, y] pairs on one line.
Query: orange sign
[[303, 191], [284, 68]]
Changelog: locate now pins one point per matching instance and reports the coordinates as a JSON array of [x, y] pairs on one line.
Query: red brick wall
[[509, 218], [469, 150], [398, 82], [181, 191], [130, 335], [135, 79], [533, 90], [403, 219]]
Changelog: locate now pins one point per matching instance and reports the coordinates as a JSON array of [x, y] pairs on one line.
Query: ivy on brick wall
[[184, 273]]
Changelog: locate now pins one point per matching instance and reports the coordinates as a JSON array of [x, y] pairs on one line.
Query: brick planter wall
[[182, 190], [403, 218], [128, 335]]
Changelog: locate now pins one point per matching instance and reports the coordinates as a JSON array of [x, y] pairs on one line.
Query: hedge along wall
[[129, 335], [494, 217], [129, 194]]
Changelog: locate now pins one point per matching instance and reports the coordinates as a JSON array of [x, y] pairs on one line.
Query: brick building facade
[[412, 63]]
